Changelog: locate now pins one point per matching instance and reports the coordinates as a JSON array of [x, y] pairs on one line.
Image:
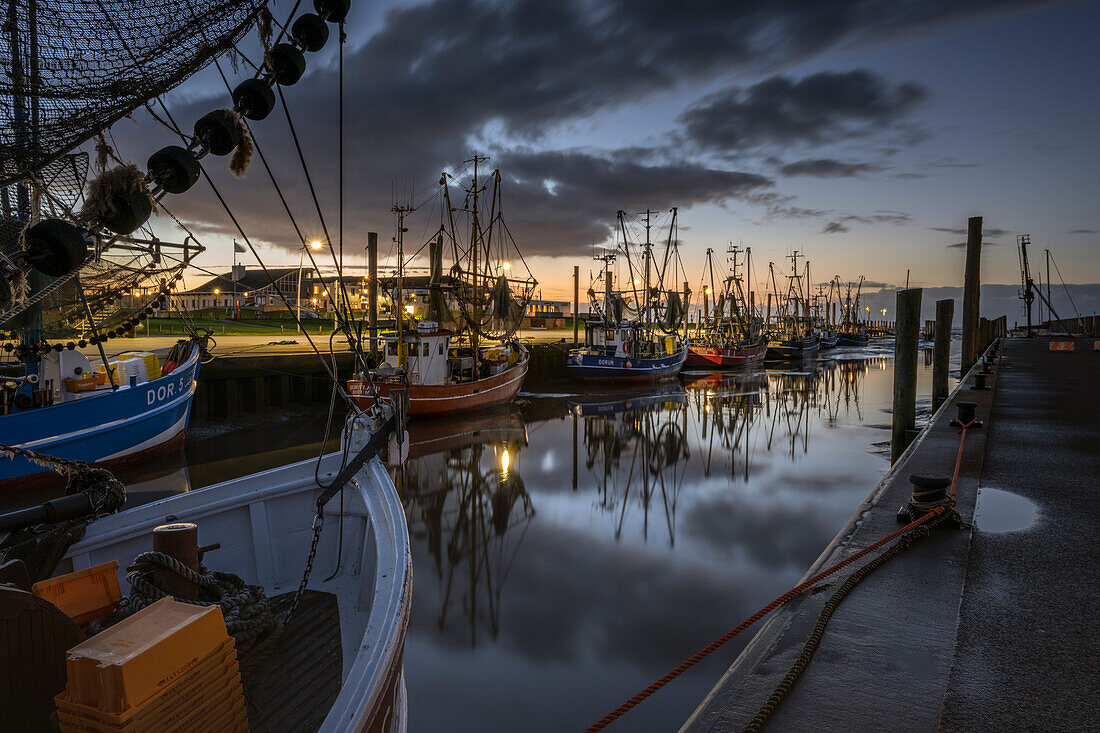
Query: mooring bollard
[[905, 370], [928, 493], [966, 413], [979, 381], [941, 352]]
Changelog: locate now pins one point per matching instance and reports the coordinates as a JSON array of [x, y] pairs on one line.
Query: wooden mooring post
[[971, 294], [905, 370], [941, 353]]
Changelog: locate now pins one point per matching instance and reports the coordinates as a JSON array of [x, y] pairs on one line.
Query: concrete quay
[[968, 629]]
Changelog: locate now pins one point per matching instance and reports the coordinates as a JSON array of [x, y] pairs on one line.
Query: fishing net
[[70, 69]]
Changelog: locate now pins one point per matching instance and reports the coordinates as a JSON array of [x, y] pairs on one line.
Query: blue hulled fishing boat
[[108, 425], [634, 335]]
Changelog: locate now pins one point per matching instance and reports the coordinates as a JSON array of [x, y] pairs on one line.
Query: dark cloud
[[961, 231], [985, 243], [818, 109], [440, 78], [878, 217], [827, 168], [1083, 231]]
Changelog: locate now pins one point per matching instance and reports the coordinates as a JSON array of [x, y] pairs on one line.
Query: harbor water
[[570, 549]]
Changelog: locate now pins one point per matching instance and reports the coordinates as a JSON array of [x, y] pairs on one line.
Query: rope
[[245, 607], [934, 516], [814, 640]]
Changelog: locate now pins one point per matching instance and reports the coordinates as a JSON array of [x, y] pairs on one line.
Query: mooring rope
[[932, 518]]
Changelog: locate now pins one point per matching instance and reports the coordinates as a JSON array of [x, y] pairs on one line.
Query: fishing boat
[[462, 354], [635, 334], [791, 333], [109, 425], [352, 624], [731, 335], [853, 329]]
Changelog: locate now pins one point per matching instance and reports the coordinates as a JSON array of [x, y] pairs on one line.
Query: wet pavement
[[1028, 655]]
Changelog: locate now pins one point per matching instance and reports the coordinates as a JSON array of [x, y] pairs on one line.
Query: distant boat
[[791, 333], [457, 362], [637, 341], [731, 335], [853, 330]]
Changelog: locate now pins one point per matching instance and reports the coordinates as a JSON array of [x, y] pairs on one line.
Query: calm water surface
[[572, 548]]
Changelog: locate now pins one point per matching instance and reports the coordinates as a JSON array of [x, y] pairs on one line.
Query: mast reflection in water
[[569, 551]]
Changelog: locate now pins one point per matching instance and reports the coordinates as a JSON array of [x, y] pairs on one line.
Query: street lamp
[[314, 245]]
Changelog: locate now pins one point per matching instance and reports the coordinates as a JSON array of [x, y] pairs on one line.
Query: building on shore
[[244, 292]]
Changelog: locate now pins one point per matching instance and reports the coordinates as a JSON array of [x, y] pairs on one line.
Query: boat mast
[[398, 309], [475, 237], [648, 256]]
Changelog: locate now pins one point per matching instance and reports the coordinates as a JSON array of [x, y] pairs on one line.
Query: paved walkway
[[1028, 653], [968, 629]]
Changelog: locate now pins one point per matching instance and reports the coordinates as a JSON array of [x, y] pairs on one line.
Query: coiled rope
[[933, 517], [245, 607]]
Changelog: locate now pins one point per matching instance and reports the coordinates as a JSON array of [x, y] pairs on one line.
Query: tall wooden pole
[[971, 293], [576, 303], [905, 370], [941, 354]]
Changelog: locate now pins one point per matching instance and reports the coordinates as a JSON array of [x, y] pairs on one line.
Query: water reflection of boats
[[632, 441], [728, 407], [463, 493], [725, 406]]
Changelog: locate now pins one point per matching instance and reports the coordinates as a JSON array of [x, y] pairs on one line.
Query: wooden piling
[[372, 293], [905, 370], [971, 294], [945, 312], [576, 303]]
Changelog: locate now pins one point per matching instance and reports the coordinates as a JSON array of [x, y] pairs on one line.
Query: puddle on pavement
[[1003, 511]]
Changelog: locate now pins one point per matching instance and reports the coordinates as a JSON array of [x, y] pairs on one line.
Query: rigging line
[[286, 207], [1065, 287], [316, 202], [279, 292]]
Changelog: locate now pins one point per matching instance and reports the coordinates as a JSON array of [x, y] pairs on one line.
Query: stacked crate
[[169, 667]]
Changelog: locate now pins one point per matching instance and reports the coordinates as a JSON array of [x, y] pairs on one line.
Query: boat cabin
[[428, 358], [627, 340]]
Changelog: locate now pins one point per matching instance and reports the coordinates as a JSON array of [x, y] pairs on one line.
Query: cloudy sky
[[863, 133]]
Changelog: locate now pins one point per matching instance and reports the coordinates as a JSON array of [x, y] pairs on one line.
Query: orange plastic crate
[[142, 656], [220, 697], [210, 675], [84, 595]]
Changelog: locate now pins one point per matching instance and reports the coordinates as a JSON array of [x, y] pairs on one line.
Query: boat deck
[[293, 688], [969, 629]]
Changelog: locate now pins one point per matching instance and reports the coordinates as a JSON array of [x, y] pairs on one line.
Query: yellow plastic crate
[[126, 665]]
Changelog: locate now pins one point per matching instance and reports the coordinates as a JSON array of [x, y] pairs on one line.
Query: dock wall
[[866, 674]]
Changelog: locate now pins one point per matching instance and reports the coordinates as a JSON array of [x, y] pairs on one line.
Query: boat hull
[[437, 399], [830, 341], [852, 339], [793, 348], [262, 522], [112, 429], [723, 358], [619, 369]]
